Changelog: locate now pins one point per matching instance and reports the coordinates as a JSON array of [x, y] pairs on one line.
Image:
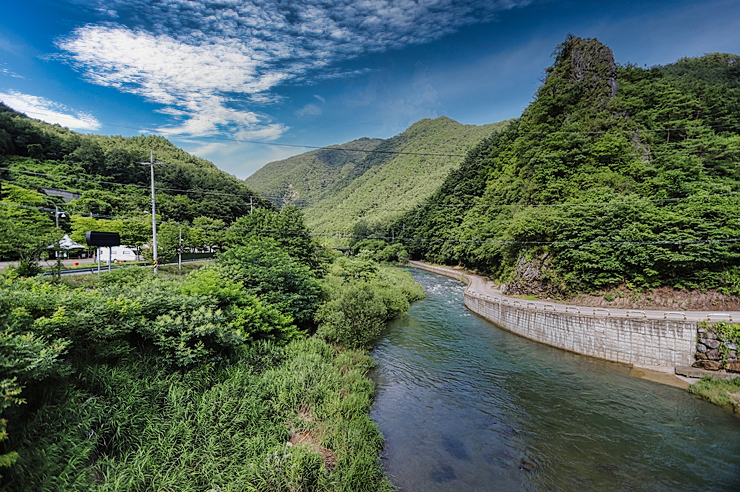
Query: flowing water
[[465, 406]]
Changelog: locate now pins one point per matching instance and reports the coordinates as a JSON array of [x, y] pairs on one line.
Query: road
[[50, 263], [482, 287]]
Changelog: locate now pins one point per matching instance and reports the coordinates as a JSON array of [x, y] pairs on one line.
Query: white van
[[117, 254]]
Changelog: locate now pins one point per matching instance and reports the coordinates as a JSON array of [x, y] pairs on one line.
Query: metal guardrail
[[709, 316], [679, 313], [636, 311], [544, 308], [115, 266], [531, 304], [608, 313], [576, 308]]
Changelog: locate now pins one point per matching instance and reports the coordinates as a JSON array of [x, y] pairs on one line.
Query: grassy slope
[[306, 178], [390, 184]]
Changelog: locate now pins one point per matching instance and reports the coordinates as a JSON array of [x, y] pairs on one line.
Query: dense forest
[[339, 189], [613, 175]]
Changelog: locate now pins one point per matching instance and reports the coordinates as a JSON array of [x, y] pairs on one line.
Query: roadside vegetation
[[248, 373]]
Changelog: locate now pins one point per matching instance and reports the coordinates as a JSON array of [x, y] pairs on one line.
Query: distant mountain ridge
[[306, 178], [340, 188]]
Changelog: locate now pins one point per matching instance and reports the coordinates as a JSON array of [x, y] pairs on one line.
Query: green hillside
[[339, 190], [105, 171], [613, 175], [306, 178], [97, 183]]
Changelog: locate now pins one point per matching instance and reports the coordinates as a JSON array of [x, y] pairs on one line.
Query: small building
[[69, 249]]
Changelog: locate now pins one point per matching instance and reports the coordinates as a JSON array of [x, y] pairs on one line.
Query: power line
[[341, 203], [274, 144], [430, 239]]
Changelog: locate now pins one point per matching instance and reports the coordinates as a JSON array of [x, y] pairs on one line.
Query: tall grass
[[139, 426]]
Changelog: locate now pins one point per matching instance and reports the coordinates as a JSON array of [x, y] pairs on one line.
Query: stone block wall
[[658, 344], [651, 343]]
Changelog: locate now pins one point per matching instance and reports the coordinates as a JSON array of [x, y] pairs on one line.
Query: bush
[[364, 297], [355, 318], [269, 273]]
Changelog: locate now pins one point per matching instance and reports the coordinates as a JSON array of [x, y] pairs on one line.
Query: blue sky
[[216, 76]]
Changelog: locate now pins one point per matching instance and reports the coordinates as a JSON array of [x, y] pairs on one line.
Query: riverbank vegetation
[[718, 391], [245, 374]]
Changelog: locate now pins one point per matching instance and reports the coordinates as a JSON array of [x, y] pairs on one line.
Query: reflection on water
[[464, 405]]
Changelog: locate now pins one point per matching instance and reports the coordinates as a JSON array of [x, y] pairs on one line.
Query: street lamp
[[151, 164], [57, 214]]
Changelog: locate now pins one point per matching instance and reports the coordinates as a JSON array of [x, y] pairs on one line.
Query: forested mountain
[[341, 190], [45, 166], [105, 171], [306, 178], [613, 175]]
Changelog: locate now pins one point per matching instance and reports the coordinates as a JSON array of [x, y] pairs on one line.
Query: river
[[466, 406]]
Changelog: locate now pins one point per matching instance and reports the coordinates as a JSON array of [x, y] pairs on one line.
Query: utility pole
[[251, 208], [179, 252], [151, 164]]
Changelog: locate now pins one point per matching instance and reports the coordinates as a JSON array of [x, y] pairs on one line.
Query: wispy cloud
[[319, 98], [309, 110], [10, 73], [196, 58], [49, 111]]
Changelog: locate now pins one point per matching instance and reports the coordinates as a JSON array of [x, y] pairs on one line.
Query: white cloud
[[197, 57], [309, 110], [49, 111], [319, 98], [10, 73]]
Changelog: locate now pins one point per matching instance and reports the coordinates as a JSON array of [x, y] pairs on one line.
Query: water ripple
[[464, 405]]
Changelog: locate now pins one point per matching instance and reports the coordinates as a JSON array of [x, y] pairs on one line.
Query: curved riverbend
[[464, 405]]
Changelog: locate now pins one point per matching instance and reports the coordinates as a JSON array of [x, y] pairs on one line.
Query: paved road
[[49, 263], [477, 285]]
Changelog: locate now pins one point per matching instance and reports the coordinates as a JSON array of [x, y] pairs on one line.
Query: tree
[[24, 230], [212, 231], [275, 277], [287, 228]]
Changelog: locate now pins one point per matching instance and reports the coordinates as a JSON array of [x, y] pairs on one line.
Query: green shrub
[[268, 272], [355, 318]]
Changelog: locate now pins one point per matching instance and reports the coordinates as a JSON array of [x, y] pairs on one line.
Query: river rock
[[711, 335], [712, 344], [731, 346], [713, 354], [701, 348], [700, 356], [733, 366]]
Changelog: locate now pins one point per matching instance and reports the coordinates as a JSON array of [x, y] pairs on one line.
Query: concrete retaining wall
[[651, 343]]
